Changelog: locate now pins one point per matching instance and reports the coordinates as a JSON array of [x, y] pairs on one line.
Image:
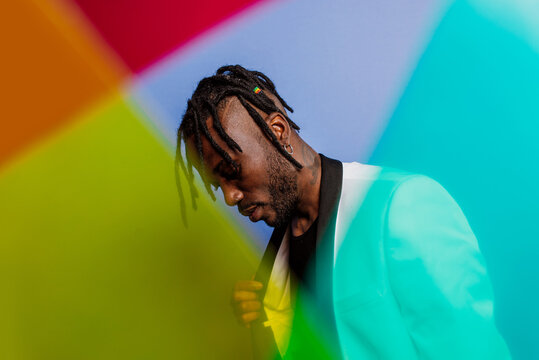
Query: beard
[[283, 188]]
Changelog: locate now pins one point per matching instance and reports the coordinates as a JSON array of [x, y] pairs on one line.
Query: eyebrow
[[218, 167]]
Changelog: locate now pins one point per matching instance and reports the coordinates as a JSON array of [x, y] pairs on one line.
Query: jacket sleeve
[[438, 275]]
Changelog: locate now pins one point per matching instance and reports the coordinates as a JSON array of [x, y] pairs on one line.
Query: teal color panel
[[469, 118]]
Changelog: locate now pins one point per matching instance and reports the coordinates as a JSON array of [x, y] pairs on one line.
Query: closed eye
[[230, 172]]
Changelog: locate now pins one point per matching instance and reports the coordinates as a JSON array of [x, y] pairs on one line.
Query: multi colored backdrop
[[94, 260]]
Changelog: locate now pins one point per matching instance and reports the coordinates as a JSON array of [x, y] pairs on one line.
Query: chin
[[272, 221], [276, 219]]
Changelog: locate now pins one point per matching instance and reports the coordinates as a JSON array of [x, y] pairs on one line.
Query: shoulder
[[404, 181], [415, 194], [396, 193], [367, 190], [370, 176], [357, 170]]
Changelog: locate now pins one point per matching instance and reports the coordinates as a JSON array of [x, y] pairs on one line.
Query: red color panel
[[142, 31]]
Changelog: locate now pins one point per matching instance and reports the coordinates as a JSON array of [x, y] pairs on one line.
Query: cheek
[[256, 186], [255, 172], [255, 168], [259, 189]]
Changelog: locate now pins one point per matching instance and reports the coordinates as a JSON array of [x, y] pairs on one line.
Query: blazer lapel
[[330, 193]]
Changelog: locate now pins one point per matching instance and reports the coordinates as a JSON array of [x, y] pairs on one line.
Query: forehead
[[237, 124]]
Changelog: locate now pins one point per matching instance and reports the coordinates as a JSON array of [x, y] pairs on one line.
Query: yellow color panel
[[94, 260]]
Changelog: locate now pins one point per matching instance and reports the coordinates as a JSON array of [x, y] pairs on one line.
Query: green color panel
[[95, 262], [469, 118]]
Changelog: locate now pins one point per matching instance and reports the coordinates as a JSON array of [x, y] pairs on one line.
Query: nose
[[232, 194]]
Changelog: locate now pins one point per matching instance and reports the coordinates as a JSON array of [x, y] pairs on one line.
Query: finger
[[247, 318], [244, 296], [244, 307], [249, 306], [249, 285]]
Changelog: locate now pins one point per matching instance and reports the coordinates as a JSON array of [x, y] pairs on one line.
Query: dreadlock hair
[[208, 100]]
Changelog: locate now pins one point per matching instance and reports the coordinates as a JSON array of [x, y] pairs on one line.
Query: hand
[[245, 301]]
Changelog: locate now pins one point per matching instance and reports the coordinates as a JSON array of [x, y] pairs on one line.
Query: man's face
[[264, 187]]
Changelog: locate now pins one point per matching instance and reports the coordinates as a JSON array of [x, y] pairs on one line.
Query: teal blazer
[[397, 273]]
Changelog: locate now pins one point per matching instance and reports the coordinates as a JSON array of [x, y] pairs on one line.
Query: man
[[364, 262]]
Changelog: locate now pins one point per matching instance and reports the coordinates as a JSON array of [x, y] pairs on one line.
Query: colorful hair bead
[[256, 90]]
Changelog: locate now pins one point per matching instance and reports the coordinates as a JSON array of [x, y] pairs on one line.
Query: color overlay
[[95, 262]]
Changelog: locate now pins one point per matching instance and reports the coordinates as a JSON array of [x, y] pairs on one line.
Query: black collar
[[330, 192]]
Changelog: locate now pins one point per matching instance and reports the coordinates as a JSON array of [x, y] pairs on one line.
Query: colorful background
[[94, 261]]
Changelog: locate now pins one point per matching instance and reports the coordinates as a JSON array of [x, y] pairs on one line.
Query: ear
[[279, 126]]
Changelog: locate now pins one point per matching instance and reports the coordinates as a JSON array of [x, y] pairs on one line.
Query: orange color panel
[[52, 65]]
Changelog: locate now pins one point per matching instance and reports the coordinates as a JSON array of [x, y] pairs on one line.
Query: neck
[[309, 180]]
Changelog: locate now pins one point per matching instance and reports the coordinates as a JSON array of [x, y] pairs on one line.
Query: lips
[[256, 214], [248, 211]]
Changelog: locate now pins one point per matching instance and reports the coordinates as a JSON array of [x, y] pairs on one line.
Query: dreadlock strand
[[209, 189], [254, 99], [265, 129], [178, 162], [257, 77], [198, 140], [260, 100], [191, 178], [217, 125], [270, 85], [216, 146], [258, 120]]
